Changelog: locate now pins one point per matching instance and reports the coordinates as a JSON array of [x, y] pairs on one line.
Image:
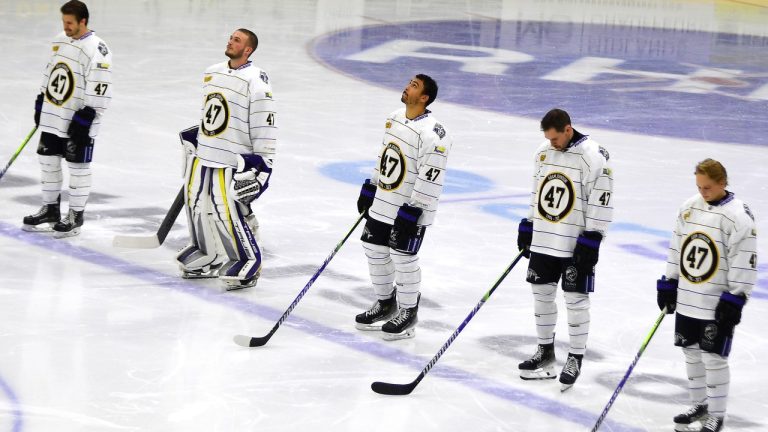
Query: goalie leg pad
[[239, 240], [200, 258]]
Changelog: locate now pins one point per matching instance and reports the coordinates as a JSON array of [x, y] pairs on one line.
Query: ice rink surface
[[96, 338]]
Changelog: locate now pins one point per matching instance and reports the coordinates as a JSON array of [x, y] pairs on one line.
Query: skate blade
[[37, 228], [233, 286], [690, 427], [544, 373], [565, 387], [406, 334], [61, 235], [370, 327], [208, 275]]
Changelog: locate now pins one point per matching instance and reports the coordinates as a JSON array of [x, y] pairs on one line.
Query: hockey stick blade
[[404, 389], [250, 342], [154, 240], [395, 389]]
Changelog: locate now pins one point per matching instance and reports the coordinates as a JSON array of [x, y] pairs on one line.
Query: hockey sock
[[79, 185], [578, 320], [718, 382], [407, 278], [381, 269], [694, 368], [545, 311], [51, 177]]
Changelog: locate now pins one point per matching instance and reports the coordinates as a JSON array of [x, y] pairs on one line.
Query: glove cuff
[[368, 189], [525, 226], [252, 161], [665, 284], [738, 300], [84, 116], [409, 213], [590, 239]]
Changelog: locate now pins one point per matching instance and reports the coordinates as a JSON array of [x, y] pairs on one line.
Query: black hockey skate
[[712, 424], [49, 214], [70, 225], [403, 326], [571, 371], [540, 365], [380, 312], [683, 422]]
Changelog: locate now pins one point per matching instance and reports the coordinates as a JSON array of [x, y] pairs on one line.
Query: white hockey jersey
[[411, 166], [79, 74], [572, 193], [238, 116], [713, 249]]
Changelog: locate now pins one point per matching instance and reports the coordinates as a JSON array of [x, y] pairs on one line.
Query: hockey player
[[571, 208], [76, 90], [711, 269], [400, 201], [229, 165]]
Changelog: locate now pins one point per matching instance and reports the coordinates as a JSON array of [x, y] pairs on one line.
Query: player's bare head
[[242, 43], [557, 128], [74, 17], [420, 91], [712, 169], [429, 87], [711, 179]]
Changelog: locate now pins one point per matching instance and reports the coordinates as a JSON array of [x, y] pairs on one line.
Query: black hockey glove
[[80, 126], [406, 234], [666, 294], [585, 253], [38, 108], [728, 310], [250, 179], [365, 200], [525, 237]]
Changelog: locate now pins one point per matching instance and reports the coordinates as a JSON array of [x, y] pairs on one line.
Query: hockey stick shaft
[[154, 240], [403, 389], [18, 151], [629, 371], [259, 341]]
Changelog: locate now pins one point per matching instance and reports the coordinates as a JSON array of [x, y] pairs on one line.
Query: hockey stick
[[154, 240], [18, 151], [629, 371], [404, 389], [250, 342]]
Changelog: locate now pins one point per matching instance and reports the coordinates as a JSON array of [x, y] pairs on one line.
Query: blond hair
[[712, 169]]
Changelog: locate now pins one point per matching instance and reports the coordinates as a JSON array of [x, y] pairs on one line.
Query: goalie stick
[[404, 389], [154, 240], [18, 151], [629, 371], [253, 341]]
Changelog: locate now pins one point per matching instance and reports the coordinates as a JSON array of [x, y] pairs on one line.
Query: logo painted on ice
[[679, 83]]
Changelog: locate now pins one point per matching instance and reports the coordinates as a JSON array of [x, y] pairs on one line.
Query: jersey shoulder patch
[[264, 77], [438, 129], [603, 152], [103, 49]]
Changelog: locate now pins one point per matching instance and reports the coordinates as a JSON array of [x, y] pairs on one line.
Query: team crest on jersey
[[55, 48], [215, 115], [207, 78], [542, 157], [439, 130], [686, 215], [61, 84], [556, 197], [103, 49], [264, 77], [391, 167], [699, 258], [388, 125]]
